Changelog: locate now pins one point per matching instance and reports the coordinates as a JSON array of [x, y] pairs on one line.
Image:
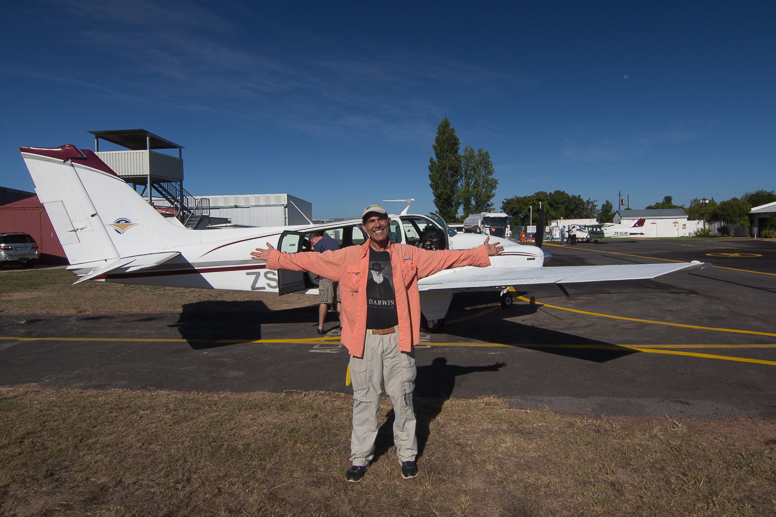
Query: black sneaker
[[356, 474], [409, 469], [321, 332]]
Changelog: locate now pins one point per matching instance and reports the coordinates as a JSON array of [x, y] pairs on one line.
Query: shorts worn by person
[[380, 325], [327, 289]]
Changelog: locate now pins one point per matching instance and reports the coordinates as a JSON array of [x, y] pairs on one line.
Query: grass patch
[[50, 292], [120, 452]]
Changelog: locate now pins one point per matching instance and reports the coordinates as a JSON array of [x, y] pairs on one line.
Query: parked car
[[18, 247]]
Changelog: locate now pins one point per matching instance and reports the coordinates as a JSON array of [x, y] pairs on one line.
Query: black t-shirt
[[380, 296]]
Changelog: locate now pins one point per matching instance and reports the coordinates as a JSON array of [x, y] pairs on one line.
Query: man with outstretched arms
[[380, 325]]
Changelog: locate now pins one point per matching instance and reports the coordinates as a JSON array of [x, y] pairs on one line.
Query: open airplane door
[[291, 281]]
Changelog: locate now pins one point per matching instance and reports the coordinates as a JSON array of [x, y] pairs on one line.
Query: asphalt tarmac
[[701, 344]]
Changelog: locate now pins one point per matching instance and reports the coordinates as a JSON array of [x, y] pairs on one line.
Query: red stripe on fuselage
[[176, 272]]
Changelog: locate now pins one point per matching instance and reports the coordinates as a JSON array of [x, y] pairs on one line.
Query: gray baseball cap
[[373, 209]]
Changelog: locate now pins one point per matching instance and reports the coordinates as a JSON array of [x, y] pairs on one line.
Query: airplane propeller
[[540, 230]]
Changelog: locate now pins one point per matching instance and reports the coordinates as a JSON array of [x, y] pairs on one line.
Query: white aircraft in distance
[[111, 234], [593, 232]]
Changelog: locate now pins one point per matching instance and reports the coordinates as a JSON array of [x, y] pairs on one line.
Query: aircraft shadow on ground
[[213, 324], [494, 328], [434, 385]]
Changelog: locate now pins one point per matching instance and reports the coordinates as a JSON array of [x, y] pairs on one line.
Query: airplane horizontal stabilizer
[[474, 278], [134, 263]]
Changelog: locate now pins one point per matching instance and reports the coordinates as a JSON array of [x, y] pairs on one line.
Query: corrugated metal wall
[[29, 216]]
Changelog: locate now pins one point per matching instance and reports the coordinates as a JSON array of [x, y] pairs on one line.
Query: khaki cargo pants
[[382, 368]]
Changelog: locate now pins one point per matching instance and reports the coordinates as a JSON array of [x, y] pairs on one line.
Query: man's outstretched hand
[[493, 249], [261, 253]]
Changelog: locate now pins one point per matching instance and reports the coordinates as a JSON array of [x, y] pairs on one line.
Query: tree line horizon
[[465, 181]]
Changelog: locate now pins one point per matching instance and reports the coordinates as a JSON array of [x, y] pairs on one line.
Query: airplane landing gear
[[433, 326], [506, 300]]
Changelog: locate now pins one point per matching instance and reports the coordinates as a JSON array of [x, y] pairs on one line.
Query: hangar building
[[663, 222], [761, 214]]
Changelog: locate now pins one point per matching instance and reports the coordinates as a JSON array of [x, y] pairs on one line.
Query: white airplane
[[111, 234], [593, 232], [624, 230]]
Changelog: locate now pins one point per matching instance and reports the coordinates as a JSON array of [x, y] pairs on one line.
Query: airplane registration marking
[[270, 277]]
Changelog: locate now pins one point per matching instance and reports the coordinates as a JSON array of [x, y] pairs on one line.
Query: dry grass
[[49, 292], [114, 452], [117, 453]]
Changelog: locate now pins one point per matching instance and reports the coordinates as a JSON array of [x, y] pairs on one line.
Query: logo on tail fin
[[639, 223], [121, 225]]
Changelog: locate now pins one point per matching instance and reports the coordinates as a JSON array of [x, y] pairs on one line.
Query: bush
[[768, 234], [702, 232], [724, 230]]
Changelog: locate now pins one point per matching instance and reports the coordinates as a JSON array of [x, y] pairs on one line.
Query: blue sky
[[339, 102]]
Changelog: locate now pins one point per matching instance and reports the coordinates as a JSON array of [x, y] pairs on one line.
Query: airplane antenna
[[406, 208]]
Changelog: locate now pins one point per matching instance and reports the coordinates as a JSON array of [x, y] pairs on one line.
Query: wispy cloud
[[191, 55]]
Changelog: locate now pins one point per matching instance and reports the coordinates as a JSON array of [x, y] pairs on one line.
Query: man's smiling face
[[376, 226]]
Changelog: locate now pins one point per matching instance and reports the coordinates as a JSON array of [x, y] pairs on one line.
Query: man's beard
[[377, 277]]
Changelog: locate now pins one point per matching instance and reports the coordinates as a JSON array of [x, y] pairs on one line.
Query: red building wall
[[29, 216]]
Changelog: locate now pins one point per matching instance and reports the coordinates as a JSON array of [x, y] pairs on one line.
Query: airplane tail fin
[[96, 215]]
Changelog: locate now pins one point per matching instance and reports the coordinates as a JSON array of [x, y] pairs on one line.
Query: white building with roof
[[662, 222], [761, 214]]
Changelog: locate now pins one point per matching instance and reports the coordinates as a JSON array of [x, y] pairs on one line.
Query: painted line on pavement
[[653, 322]]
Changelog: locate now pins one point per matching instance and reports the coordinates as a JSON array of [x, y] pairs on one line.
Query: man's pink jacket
[[350, 267]]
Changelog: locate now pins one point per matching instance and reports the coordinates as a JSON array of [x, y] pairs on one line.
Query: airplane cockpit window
[[437, 219], [421, 232], [335, 234], [411, 232], [358, 236], [394, 232]]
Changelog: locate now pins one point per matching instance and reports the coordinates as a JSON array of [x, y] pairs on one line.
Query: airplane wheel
[[506, 300], [433, 326]]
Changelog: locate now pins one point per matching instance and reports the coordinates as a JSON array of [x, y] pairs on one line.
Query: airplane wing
[[474, 278], [132, 263]]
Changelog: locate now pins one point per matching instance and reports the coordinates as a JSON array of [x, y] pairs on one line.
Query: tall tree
[[444, 173], [478, 186], [606, 214]]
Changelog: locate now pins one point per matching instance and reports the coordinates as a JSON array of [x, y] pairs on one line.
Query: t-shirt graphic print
[[380, 295]]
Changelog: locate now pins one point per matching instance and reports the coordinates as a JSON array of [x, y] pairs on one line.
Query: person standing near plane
[[380, 327], [328, 290]]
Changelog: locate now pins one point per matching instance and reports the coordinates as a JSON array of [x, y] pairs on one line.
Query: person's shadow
[[434, 385]]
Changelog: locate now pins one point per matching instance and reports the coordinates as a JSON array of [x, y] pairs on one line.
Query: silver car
[[18, 247]]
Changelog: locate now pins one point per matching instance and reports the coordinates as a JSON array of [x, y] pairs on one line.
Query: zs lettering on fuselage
[[270, 280]]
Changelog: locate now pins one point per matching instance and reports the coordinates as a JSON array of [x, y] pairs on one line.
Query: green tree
[[733, 212], [557, 205], [444, 173], [606, 214], [478, 186], [668, 202], [759, 197], [700, 209]]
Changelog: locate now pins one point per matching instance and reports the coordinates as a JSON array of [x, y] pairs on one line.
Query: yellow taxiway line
[[652, 322]]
